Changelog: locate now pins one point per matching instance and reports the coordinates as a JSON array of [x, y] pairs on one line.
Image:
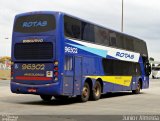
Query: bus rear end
[[34, 62]]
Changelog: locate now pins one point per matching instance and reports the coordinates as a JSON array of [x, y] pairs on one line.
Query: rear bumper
[[48, 89]]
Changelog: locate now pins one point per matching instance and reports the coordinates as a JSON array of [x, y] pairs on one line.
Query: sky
[[141, 17]]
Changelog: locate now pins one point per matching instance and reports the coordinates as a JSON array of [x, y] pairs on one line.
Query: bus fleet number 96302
[[33, 66]]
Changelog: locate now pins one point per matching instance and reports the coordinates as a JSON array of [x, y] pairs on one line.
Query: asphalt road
[[122, 103]]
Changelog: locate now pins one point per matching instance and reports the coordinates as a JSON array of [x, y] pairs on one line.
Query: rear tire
[[96, 93], [84, 97], [46, 98], [138, 89]]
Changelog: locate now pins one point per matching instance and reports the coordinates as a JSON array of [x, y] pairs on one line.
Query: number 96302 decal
[[33, 67]]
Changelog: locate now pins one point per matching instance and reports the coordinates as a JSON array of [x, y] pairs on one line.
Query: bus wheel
[[153, 77], [96, 93], [84, 97], [138, 89], [46, 97]]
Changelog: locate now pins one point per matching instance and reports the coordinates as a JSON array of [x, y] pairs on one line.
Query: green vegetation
[[3, 59]]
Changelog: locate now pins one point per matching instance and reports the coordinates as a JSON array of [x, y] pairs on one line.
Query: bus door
[[77, 75], [68, 75]]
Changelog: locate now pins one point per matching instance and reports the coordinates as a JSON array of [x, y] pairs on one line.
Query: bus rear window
[[33, 51], [35, 23]]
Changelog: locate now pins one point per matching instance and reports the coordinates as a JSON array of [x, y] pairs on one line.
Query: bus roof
[[59, 12]]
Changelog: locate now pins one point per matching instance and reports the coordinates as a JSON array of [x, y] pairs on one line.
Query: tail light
[[56, 74], [55, 63], [56, 70]]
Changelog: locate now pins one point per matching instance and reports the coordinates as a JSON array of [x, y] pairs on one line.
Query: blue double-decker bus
[[56, 54]]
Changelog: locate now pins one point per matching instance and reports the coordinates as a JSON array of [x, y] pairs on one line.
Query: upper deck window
[[85, 31], [72, 27], [35, 23]]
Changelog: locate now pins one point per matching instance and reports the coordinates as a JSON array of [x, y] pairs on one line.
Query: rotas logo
[[34, 24], [125, 55]]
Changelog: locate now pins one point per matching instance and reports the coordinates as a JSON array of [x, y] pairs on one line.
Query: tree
[[5, 58]]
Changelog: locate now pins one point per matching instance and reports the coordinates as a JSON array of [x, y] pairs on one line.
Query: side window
[[143, 49], [88, 32], [101, 35], [108, 66], [113, 40], [129, 43], [68, 63], [119, 68], [72, 27], [140, 47], [120, 42]]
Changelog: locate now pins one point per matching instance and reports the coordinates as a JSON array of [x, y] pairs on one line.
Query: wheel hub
[[97, 91], [85, 92]]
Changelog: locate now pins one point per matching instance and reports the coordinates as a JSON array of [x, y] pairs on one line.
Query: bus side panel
[[145, 79], [60, 55], [134, 83], [117, 87], [68, 85], [107, 87], [129, 88], [89, 67], [142, 66], [145, 82]]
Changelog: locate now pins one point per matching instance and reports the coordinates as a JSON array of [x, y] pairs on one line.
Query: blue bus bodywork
[[33, 76]]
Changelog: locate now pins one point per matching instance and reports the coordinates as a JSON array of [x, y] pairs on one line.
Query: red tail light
[[56, 74], [56, 70]]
